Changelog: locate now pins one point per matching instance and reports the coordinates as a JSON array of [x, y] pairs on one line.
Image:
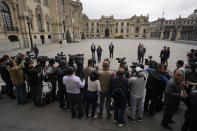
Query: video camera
[[42, 60], [134, 65], [151, 63], [121, 60], [60, 57], [30, 55], [192, 56], [78, 59]]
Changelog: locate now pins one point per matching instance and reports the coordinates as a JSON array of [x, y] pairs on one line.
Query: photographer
[[18, 79], [105, 78], [137, 94], [34, 80], [52, 77], [6, 78], [62, 93]]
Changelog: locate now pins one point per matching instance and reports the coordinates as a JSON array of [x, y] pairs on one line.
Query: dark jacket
[[33, 76], [111, 48], [156, 83], [124, 83], [61, 72], [99, 51], [93, 48], [172, 93], [5, 74], [36, 51], [191, 102]]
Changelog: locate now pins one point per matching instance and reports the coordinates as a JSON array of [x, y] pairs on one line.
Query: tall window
[[39, 22], [5, 12], [45, 2], [48, 27], [137, 30]]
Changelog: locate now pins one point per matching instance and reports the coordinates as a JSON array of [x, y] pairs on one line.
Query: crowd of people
[[141, 90]]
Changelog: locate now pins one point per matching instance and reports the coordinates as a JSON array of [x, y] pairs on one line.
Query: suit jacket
[[172, 93], [111, 48]]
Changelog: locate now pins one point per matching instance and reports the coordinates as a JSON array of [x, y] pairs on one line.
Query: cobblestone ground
[[29, 118]]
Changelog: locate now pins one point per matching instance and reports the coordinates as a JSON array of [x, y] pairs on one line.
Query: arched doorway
[[107, 32]]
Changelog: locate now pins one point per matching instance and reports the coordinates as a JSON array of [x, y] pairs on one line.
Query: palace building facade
[[109, 27], [178, 29], [27, 22]]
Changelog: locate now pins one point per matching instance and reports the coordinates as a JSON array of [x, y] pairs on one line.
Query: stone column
[[162, 35], [178, 35], [170, 35]]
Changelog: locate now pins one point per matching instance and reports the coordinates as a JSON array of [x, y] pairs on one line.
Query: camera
[[134, 65], [121, 60], [151, 63], [60, 57], [30, 54], [42, 60]]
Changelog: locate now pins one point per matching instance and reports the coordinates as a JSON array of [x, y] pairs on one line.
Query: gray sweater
[[137, 86]]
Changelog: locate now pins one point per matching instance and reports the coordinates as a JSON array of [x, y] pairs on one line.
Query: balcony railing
[[7, 29]]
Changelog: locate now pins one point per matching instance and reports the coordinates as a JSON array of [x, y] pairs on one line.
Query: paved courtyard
[[29, 118]]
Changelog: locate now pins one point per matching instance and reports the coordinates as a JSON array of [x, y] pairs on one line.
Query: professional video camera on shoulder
[[121, 60], [42, 60], [30, 55], [151, 63], [78, 59], [60, 57]]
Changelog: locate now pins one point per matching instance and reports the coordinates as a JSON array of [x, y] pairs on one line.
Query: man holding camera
[[52, 77], [105, 78], [18, 79], [34, 80], [62, 93]]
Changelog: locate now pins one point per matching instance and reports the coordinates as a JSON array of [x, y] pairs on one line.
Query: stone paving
[[30, 118]]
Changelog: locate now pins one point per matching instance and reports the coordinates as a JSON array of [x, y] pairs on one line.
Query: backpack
[[118, 92]]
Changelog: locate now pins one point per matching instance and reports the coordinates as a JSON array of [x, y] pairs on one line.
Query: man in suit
[[172, 97], [93, 49], [111, 50]]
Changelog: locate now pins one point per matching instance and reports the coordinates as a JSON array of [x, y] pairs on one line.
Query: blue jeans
[[137, 104], [21, 95], [105, 98]]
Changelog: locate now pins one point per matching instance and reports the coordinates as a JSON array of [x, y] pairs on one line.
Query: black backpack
[[118, 92]]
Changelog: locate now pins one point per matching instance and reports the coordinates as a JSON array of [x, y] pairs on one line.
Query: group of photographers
[[142, 90]]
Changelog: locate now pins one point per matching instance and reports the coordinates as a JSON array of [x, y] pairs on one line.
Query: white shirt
[[73, 84], [94, 85]]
